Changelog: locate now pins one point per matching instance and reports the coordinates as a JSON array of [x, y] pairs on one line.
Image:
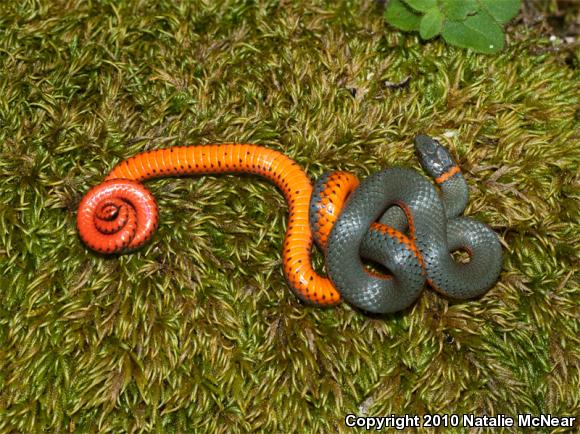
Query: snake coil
[[395, 217]]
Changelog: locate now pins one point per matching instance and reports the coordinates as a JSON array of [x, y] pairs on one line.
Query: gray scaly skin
[[437, 230]]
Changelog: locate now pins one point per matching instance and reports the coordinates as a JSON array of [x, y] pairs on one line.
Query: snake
[[404, 201], [395, 217]]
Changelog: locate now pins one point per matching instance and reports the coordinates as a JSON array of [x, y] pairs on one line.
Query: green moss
[[198, 331]]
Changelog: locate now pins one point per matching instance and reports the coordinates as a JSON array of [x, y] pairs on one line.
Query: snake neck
[[454, 194]]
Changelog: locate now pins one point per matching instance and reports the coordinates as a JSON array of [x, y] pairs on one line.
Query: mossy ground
[[198, 331]]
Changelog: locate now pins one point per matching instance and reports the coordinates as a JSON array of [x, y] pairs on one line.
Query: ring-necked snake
[[395, 217]]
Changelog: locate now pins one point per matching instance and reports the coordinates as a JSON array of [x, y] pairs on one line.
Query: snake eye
[[444, 158]]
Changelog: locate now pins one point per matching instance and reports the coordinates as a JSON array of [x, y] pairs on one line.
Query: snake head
[[434, 158]]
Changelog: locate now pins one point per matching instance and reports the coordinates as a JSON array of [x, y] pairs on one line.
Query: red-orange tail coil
[[121, 214]]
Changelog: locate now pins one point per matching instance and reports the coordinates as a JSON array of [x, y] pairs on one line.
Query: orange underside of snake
[[120, 214]]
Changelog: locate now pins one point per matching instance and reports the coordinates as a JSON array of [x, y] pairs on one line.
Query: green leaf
[[431, 24], [400, 16], [458, 10], [502, 10], [479, 32], [422, 5]]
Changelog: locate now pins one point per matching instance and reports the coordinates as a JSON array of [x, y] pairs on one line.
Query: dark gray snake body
[[405, 200]]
